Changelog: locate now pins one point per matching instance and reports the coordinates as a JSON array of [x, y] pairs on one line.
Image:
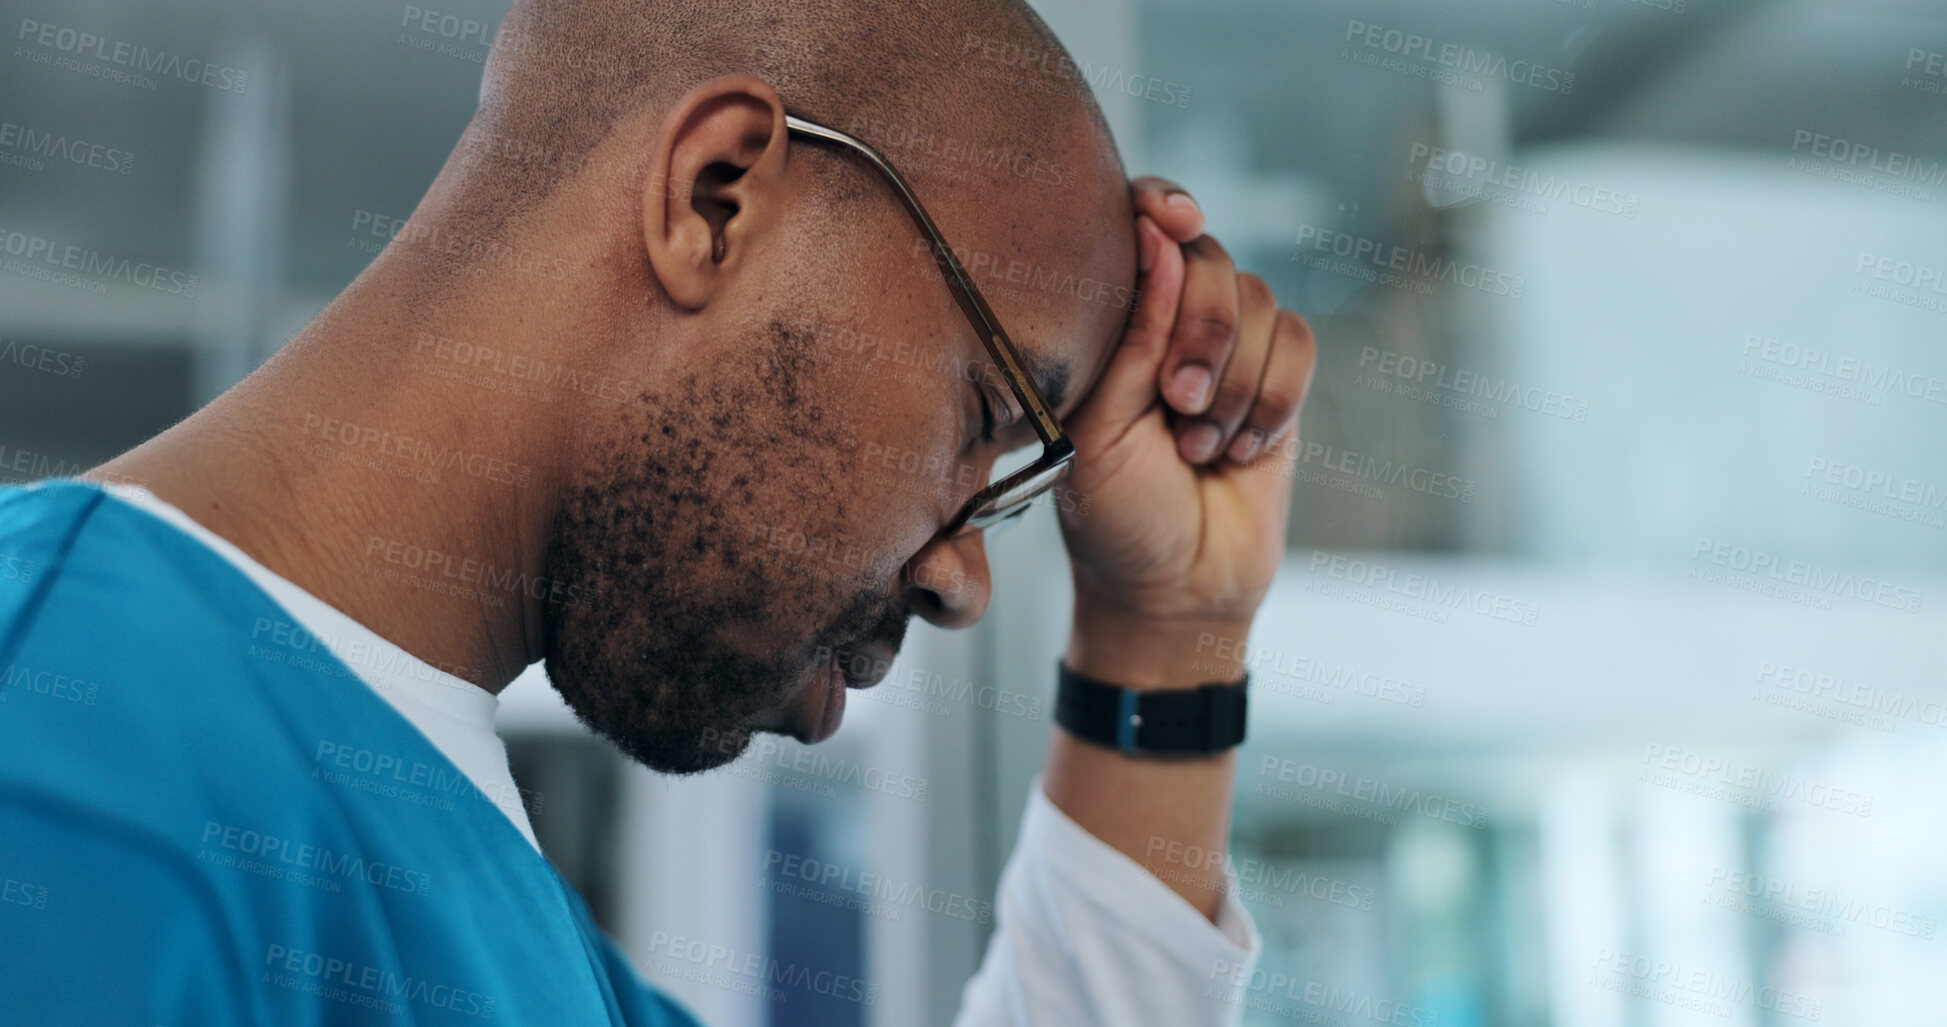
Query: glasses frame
[[1057, 450]]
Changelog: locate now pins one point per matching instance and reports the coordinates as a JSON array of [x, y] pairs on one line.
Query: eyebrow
[[1051, 379]]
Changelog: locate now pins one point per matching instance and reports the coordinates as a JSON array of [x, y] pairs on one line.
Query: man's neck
[[359, 467]]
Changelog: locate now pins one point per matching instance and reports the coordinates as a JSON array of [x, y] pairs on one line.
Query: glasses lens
[[1019, 496]]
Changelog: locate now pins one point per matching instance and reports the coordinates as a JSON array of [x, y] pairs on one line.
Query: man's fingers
[[1160, 292], [1206, 328], [1170, 205], [1265, 483], [1287, 377], [1128, 385], [1202, 439]]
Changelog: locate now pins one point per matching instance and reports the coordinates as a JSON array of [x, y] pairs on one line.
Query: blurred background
[[1603, 682]]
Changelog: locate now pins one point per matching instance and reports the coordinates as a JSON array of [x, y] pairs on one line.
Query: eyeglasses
[[1011, 496]]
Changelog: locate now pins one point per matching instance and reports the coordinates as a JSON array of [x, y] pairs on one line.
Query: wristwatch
[[1206, 719]]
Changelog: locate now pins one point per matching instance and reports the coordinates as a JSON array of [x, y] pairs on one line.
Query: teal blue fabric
[[205, 821]]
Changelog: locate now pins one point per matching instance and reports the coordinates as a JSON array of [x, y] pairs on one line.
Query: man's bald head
[[989, 78], [768, 508]]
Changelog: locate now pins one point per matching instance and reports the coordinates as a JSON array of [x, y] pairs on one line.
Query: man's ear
[[714, 185]]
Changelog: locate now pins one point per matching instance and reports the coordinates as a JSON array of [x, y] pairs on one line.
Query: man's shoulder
[[169, 756], [145, 679], [73, 537], [100, 602], [35, 521]]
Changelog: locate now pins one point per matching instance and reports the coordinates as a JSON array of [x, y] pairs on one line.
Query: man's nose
[[946, 582]]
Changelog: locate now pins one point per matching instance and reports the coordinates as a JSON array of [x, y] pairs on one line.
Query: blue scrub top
[[185, 841]]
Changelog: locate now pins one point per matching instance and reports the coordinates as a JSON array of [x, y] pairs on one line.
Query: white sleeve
[[1085, 935]]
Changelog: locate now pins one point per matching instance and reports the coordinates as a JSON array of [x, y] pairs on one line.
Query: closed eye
[[986, 417]]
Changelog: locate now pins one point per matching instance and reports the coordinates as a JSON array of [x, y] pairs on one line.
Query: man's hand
[[1182, 487], [1178, 455]]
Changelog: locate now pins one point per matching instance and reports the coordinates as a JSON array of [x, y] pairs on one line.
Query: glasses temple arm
[[962, 287]]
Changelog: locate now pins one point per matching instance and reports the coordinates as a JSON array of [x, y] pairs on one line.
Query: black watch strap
[[1203, 720]]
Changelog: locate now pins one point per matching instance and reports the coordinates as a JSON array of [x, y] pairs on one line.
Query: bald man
[[247, 767]]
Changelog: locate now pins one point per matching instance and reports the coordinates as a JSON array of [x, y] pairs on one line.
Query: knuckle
[[1233, 400], [1275, 404], [1212, 329], [1206, 247]]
